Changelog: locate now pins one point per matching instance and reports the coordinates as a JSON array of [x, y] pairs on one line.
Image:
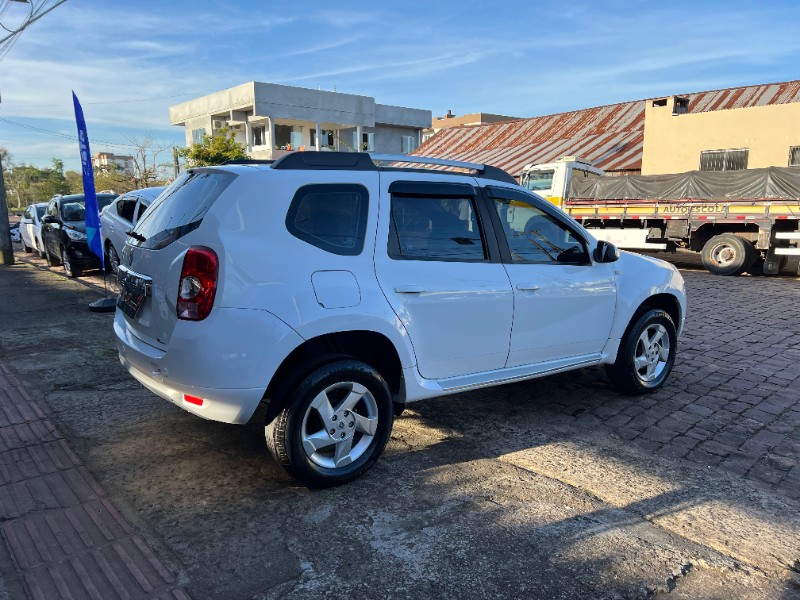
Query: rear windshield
[[180, 208]]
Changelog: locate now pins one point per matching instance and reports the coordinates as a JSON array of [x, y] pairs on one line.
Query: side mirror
[[606, 252], [49, 219]]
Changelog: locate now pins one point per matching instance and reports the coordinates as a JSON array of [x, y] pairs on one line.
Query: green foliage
[[214, 149], [26, 185]]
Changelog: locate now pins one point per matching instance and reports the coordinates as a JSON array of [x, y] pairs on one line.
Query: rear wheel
[[69, 268], [646, 354], [113, 259], [335, 426], [25, 246], [728, 254]]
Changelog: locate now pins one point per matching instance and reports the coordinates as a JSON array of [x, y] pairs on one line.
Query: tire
[[27, 249], [640, 367], [51, 260], [112, 262], [346, 397], [69, 268], [727, 254]]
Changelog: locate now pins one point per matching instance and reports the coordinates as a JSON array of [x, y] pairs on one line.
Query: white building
[[107, 161], [271, 120]]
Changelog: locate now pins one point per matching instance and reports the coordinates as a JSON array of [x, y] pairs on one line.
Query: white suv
[[337, 287]]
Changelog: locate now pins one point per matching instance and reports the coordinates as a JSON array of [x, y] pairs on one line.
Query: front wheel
[[335, 425], [646, 354], [70, 269]]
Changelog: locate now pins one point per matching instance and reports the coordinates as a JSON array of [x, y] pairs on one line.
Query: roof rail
[[363, 161]]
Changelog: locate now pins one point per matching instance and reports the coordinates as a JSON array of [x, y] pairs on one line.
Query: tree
[[26, 184], [214, 149]]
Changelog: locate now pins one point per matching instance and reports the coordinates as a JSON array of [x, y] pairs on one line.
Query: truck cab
[[552, 180]]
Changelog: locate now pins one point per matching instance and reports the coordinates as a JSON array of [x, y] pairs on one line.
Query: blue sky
[[128, 62]]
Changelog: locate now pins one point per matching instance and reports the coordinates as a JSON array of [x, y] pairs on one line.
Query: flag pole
[[92, 211]]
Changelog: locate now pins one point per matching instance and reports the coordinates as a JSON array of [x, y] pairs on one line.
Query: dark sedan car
[[64, 233]]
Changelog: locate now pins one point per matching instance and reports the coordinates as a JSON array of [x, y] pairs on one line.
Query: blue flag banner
[[90, 196]]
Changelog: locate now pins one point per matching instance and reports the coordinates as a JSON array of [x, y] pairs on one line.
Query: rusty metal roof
[[610, 136]]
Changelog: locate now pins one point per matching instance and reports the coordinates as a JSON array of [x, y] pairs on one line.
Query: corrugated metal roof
[[610, 136]]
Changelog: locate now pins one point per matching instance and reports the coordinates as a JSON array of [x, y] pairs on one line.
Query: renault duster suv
[[338, 287]]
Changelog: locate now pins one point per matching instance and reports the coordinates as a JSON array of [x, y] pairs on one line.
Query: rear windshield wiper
[[136, 236]]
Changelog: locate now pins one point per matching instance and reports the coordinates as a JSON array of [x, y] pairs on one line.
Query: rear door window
[[180, 208], [436, 228]]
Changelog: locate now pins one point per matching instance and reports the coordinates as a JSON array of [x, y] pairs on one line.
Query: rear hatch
[[150, 266]]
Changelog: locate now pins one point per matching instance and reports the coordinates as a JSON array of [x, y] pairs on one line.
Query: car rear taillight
[[198, 284]]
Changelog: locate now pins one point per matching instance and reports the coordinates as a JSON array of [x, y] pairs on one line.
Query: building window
[[197, 135], [724, 160], [259, 135], [794, 156], [326, 138], [681, 106], [408, 143], [367, 142]]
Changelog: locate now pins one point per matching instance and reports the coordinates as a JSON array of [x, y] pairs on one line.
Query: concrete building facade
[[271, 120], [677, 140]]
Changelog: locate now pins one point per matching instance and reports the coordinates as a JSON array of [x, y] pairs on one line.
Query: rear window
[[40, 211], [330, 216], [180, 208]]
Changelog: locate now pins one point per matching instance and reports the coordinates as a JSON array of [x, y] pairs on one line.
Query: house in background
[[735, 128], [103, 162], [271, 120], [451, 120]]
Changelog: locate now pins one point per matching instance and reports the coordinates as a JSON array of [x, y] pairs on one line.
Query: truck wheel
[[727, 254], [335, 426], [646, 354]]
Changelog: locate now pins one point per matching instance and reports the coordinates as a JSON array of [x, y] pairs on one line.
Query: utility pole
[[6, 251], [175, 161]]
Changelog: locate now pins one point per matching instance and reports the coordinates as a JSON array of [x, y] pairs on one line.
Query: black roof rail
[[346, 161], [363, 161]]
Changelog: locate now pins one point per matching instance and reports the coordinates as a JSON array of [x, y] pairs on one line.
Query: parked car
[[64, 233], [119, 217], [31, 228], [14, 231], [338, 287]]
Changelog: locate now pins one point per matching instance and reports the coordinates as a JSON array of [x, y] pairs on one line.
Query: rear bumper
[[227, 406], [227, 360]]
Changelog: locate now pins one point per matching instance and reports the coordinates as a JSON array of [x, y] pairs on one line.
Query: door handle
[[527, 287], [410, 289]]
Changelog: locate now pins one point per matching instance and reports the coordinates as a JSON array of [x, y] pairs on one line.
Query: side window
[[125, 208], [436, 228], [52, 209], [536, 237], [28, 213], [332, 217], [140, 208]]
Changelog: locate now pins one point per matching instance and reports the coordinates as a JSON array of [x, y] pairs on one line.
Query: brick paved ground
[[733, 401], [67, 540]]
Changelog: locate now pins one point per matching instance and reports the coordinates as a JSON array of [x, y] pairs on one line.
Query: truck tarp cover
[[781, 183]]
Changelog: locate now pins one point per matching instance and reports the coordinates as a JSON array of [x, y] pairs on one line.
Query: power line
[[72, 138]]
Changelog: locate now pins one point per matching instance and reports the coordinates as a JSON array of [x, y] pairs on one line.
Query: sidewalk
[[66, 539]]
